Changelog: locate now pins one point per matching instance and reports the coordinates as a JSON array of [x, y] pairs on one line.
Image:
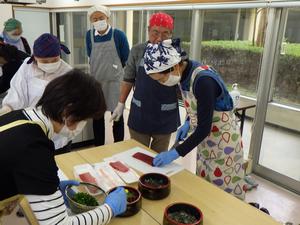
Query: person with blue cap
[[12, 34], [28, 84], [27, 154], [210, 124], [108, 50]]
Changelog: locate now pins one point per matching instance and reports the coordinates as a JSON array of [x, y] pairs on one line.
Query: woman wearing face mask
[[28, 84], [108, 50], [210, 121], [12, 34], [27, 153]]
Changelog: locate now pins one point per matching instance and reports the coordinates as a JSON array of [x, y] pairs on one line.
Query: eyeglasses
[[164, 35], [167, 70]]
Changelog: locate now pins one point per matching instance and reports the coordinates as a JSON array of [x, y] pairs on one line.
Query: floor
[[284, 206]]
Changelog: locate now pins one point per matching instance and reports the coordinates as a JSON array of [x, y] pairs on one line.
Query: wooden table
[[217, 206], [66, 162]]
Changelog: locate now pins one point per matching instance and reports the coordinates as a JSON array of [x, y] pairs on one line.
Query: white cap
[[100, 8]]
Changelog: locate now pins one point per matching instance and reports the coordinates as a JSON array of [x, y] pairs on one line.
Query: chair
[[9, 204]]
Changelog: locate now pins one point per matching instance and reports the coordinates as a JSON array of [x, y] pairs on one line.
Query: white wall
[[41, 22], [5, 13]]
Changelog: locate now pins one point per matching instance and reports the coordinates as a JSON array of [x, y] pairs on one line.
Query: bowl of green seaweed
[[81, 201], [154, 186], [134, 201], [182, 214]]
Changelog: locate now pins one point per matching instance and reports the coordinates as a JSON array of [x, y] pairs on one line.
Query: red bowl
[[186, 207]]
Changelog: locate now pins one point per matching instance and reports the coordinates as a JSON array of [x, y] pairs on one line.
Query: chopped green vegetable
[[183, 217], [154, 182], [85, 199], [131, 197]]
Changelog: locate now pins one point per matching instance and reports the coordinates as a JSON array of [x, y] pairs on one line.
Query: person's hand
[[183, 131], [117, 201], [118, 112], [62, 186], [164, 158]]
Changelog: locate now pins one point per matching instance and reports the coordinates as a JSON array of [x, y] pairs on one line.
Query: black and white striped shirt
[[50, 209], [28, 166]]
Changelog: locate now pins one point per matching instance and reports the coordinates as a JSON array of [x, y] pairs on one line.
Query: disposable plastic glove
[[117, 201], [118, 112], [62, 186], [165, 158], [183, 131]]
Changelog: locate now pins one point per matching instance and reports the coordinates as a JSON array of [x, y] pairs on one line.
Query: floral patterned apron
[[220, 154]]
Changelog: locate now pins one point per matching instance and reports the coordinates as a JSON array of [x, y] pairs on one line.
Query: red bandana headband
[[162, 20]]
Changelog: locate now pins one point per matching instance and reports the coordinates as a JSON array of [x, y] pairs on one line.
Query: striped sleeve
[[50, 209]]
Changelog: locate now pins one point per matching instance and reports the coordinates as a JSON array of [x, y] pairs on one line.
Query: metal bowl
[[80, 208]]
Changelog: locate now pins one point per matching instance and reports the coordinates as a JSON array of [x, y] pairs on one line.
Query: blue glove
[[165, 158], [62, 186], [183, 131], [117, 201]]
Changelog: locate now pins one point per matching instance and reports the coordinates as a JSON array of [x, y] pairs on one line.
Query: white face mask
[[172, 80], [100, 25], [71, 134], [49, 67]]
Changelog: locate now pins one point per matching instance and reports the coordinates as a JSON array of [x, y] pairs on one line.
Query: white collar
[[106, 32], [36, 114]]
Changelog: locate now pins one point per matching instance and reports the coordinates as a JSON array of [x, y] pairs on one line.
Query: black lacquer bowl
[[182, 214], [134, 201], [154, 186]]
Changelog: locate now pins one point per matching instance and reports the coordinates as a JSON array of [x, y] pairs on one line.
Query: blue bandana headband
[[162, 56], [47, 45]]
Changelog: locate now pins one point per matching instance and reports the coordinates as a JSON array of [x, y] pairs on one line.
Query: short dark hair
[[75, 95], [10, 52]]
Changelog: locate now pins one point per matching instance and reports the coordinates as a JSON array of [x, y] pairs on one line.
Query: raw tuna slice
[[87, 177], [143, 157], [119, 166]]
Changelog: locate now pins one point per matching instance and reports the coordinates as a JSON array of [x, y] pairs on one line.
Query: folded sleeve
[[133, 62]]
